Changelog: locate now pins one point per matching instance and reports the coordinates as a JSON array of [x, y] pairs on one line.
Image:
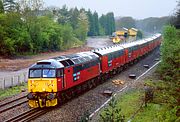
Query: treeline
[[105, 25], [149, 25], [28, 27], [175, 19], [153, 24]]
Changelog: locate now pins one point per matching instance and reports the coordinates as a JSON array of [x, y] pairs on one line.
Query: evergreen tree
[[63, 15], [74, 14], [1, 7], [108, 23], [103, 23], [96, 23], [177, 16], [9, 5], [91, 24]]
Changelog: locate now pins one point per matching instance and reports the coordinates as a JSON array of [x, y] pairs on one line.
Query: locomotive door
[[68, 76], [60, 78]]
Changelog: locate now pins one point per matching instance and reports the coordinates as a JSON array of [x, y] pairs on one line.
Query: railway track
[[13, 103], [28, 115]]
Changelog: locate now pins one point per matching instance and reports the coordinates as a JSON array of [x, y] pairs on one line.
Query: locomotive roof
[[78, 58], [66, 60], [49, 63]]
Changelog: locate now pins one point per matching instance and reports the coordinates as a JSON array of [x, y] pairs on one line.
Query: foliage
[[158, 110], [169, 67], [176, 18], [107, 22], [1, 7], [163, 103], [10, 5], [112, 113], [170, 54], [12, 91], [26, 27], [105, 25], [139, 35], [127, 22], [152, 24]]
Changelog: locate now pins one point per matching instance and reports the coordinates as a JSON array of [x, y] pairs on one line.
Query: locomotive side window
[[77, 68]]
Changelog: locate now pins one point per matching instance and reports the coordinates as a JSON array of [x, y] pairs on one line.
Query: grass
[[155, 113], [130, 102], [12, 91], [159, 110]]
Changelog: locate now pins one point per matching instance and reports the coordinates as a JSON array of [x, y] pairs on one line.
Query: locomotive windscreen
[[42, 73]]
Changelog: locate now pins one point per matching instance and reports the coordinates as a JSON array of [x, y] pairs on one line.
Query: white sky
[[138, 9]]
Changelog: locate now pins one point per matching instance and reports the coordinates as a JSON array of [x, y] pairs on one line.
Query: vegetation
[[12, 91], [175, 20], [127, 22], [149, 25], [152, 24], [28, 27], [112, 113]]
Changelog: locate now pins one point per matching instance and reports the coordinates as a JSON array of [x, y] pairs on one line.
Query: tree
[[112, 113], [96, 23], [91, 31], [9, 5], [139, 35], [83, 25], [74, 17], [127, 22], [103, 23], [63, 15], [1, 7], [176, 21], [108, 23], [170, 54], [152, 24]]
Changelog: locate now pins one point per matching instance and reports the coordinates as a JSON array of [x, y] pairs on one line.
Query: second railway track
[[28, 115], [13, 103]]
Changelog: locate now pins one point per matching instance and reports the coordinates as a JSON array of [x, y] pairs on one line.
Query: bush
[[170, 54]]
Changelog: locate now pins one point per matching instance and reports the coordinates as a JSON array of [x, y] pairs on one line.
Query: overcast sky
[[138, 9]]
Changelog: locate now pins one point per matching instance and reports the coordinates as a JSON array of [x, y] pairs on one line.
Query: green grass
[[156, 111], [130, 102], [12, 91]]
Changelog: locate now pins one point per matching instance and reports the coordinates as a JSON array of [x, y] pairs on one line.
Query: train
[[54, 80]]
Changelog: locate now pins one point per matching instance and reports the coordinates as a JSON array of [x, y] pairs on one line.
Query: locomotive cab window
[[39, 73], [35, 73], [49, 73]]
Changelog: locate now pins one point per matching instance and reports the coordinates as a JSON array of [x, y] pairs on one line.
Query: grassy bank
[[130, 106], [12, 91]]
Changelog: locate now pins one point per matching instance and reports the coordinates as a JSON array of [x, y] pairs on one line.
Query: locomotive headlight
[[50, 96], [31, 81]]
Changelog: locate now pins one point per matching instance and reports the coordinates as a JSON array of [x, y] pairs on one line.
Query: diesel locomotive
[[53, 80]]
